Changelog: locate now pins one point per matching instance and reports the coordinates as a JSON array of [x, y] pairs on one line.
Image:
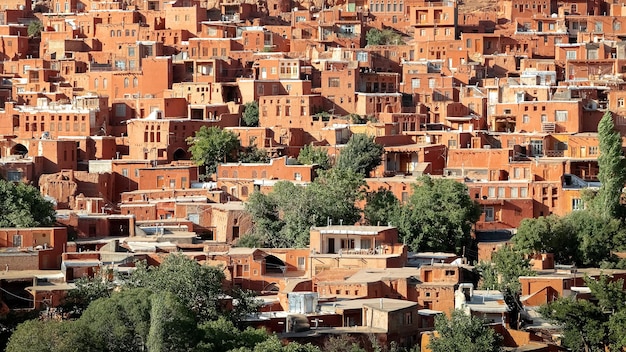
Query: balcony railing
[[555, 153]]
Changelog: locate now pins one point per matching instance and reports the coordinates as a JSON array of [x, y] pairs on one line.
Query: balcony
[[548, 127], [555, 153]]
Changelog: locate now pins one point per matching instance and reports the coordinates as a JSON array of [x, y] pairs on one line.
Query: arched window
[[135, 82], [104, 83], [126, 82], [95, 83], [112, 33]]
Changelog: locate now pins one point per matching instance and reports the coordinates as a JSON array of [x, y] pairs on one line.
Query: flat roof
[[352, 229]]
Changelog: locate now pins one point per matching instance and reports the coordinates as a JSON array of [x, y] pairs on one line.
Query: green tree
[[584, 324], [381, 207], [34, 29], [283, 218], [222, 335], [120, 322], [463, 333], [592, 325], [342, 343], [438, 216], [612, 172], [253, 155], [551, 234], [361, 154], [197, 286], [596, 235], [172, 325], [383, 37], [22, 205], [583, 237], [87, 290], [251, 114], [274, 344], [212, 145], [334, 195], [48, 336], [263, 209], [503, 273], [310, 155]]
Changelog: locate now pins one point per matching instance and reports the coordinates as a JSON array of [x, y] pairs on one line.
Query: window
[[301, 263], [126, 82], [408, 318], [577, 204], [17, 240], [120, 110], [333, 82], [593, 150], [620, 102], [489, 214], [14, 176], [598, 27], [415, 83], [431, 83], [570, 55], [491, 191], [560, 115], [500, 192], [544, 118], [523, 191], [450, 272], [514, 192], [525, 119]]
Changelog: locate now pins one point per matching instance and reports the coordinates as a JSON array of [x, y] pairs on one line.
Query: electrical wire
[[25, 299]]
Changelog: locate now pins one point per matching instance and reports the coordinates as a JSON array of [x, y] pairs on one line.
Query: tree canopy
[[612, 165], [595, 326], [383, 37], [438, 216], [583, 237], [251, 114], [197, 286], [361, 154], [463, 333], [310, 155], [381, 207], [23, 205], [586, 237], [253, 154], [212, 145], [503, 273], [284, 217], [34, 29], [139, 319]]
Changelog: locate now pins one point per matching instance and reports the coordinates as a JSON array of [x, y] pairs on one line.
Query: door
[[331, 245]]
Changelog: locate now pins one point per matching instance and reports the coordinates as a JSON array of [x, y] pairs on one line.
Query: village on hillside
[[337, 175]]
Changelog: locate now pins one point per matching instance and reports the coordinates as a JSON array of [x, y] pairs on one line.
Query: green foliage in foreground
[[23, 205], [463, 333], [284, 217], [592, 326]]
